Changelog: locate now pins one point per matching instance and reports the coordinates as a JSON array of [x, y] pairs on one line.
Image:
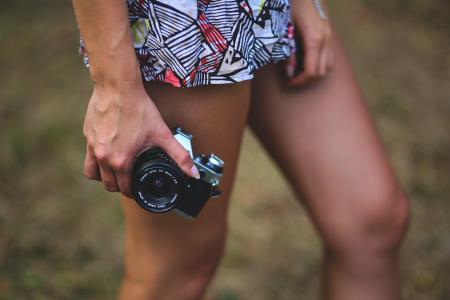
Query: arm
[[121, 120], [105, 31]]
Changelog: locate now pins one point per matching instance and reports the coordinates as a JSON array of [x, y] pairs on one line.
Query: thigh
[[323, 138], [216, 116]]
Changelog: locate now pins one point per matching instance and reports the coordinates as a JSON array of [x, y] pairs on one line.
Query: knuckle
[[164, 135], [184, 158], [314, 40], [91, 144], [100, 153], [120, 163], [85, 130], [89, 139]]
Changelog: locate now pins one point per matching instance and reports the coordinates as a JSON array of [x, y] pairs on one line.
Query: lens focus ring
[[157, 183]]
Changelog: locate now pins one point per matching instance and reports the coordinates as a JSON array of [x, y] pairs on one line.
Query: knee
[[181, 271], [376, 224], [198, 269], [202, 262]]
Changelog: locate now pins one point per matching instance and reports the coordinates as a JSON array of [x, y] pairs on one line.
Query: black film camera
[[159, 185]]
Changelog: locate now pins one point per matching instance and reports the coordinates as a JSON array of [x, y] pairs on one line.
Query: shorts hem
[[218, 79]]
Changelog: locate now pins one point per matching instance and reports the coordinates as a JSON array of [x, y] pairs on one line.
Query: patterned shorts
[[199, 42]]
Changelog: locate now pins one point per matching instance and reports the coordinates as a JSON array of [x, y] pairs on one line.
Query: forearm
[[105, 31]]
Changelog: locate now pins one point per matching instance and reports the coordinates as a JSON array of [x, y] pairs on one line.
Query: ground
[[61, 235]]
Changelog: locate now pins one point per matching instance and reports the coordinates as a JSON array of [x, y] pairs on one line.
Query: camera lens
[[157, 181], [158, 184]]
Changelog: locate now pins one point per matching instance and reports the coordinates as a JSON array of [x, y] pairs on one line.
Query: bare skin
[[121, 120], [329, 151], [324, 141], [321, 135], [315, 35], [168, 257]]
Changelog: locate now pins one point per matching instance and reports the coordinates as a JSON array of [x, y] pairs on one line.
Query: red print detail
[[171, 78], [213, 36]]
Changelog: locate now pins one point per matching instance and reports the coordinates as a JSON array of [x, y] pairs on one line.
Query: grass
[[61, 235]]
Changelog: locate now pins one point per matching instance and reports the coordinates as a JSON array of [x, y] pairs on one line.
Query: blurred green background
[[61, 235]]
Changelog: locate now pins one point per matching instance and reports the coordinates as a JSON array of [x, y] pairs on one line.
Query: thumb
[[181, 156]]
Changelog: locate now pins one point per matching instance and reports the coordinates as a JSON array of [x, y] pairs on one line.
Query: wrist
[[113, 65], [131, 91], [127, 90], [116, 74]]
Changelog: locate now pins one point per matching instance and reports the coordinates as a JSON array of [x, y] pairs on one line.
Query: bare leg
[[323, 138], [168, 257]]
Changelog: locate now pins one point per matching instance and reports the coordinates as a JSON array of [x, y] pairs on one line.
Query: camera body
[[159, 185]]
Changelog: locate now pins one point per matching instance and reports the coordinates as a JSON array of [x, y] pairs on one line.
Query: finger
[[121, 167], [323, 64], [91, 168], [299, 79], [312, 61], [182, 158], [312, 50], [123, 179], [180, 155], [330, 59], [291, 64], [108, 178]]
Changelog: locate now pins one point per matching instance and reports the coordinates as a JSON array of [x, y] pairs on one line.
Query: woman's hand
[[121, 122], [315, 33]]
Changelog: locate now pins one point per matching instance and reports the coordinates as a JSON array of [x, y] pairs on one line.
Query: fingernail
[[195, 172], [290, 71]]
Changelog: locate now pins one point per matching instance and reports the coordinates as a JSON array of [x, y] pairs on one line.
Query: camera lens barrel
[[157, 181]]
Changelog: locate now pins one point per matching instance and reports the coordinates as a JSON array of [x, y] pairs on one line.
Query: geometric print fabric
[[190, 43]]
